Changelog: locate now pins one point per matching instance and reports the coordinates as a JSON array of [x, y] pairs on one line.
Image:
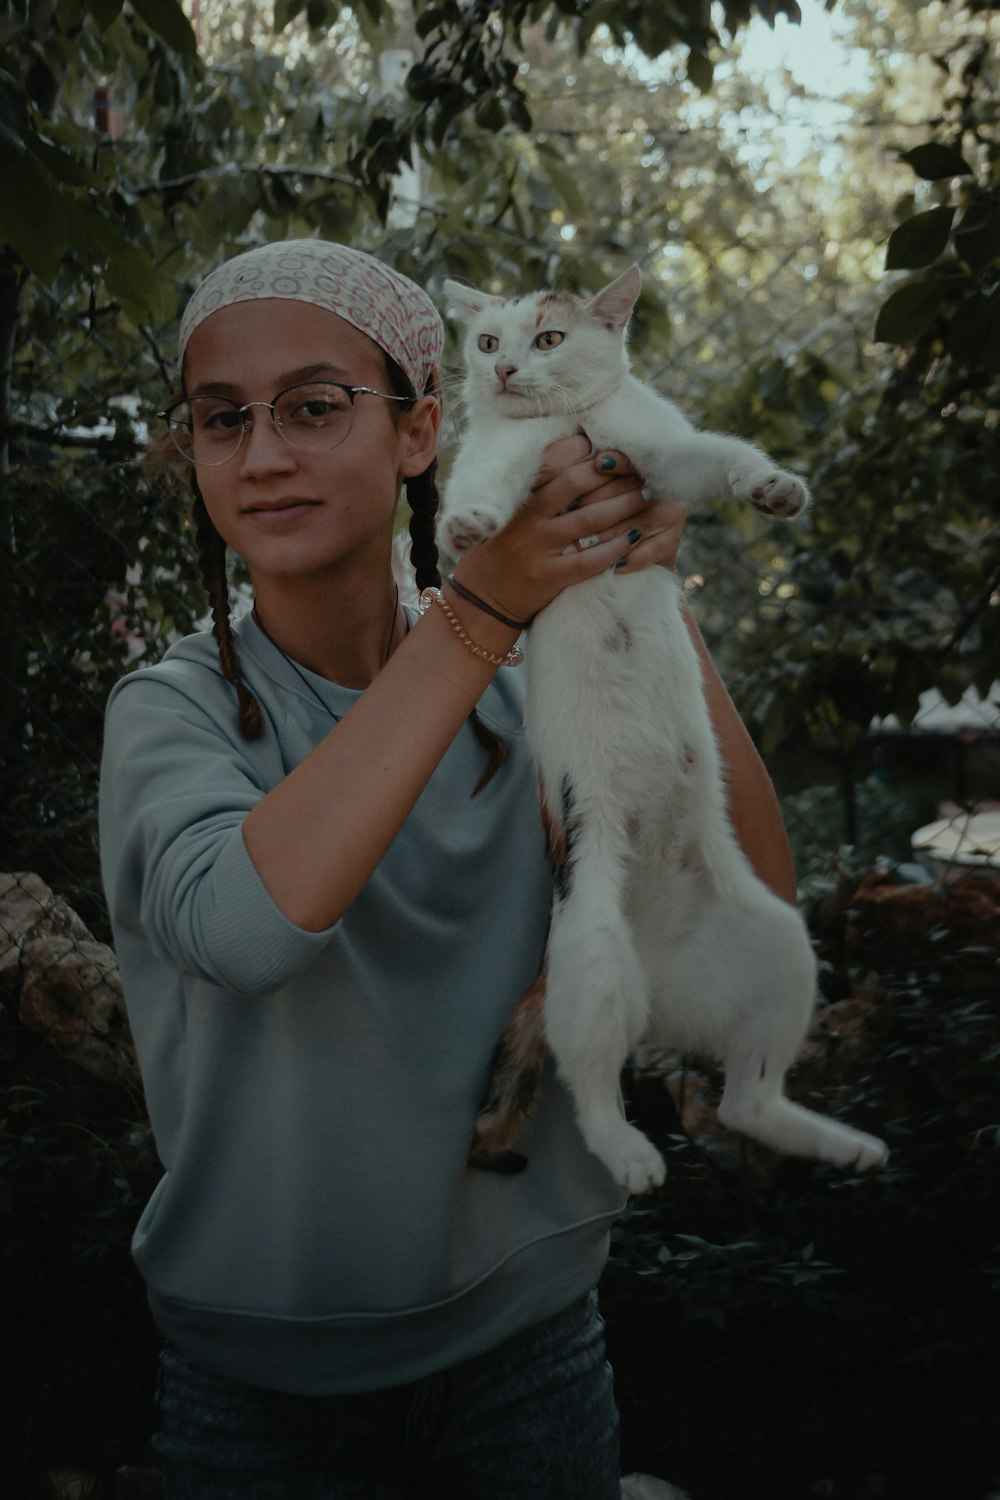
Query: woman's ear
[[419, 428]]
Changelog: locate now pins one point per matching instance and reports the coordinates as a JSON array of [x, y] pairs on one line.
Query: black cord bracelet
[[487, 609]]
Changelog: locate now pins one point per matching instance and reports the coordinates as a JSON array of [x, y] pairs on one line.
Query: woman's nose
[[263, 447]]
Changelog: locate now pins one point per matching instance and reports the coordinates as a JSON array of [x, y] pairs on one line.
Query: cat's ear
[[467, 301], [613, 306]]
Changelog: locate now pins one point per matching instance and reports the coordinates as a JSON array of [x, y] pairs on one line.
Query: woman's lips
[[276, 511]]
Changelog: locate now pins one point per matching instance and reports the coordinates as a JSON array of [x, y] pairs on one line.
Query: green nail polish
[[573, 505], [620, 563], [608, 461], [634, 536]]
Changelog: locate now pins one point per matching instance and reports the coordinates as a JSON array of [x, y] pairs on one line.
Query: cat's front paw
[[466, 530], [771, 490]]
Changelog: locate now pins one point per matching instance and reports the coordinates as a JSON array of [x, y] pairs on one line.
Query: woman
[[327, 896]]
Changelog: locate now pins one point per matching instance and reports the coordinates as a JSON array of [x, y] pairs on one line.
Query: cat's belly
[[612, 672], [616, 714]]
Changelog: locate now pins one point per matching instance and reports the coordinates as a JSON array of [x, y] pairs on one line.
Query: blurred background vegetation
[[816, 209]]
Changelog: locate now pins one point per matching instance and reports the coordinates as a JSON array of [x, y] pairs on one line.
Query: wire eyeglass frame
[[177, 427]]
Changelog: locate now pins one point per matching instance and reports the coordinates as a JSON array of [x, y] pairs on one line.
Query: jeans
[[534, 1419]]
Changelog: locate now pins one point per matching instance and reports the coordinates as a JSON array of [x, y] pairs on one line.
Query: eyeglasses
[[313, 418]]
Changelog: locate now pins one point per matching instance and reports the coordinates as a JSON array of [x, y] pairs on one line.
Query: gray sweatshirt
[[317, 1228]]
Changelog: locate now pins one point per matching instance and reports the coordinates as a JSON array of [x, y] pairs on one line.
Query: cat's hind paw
[[467, 530], [632, 1160], [771, 490], [871, 1155]]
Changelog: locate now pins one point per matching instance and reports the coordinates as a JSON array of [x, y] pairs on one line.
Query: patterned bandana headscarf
[[379, 302]]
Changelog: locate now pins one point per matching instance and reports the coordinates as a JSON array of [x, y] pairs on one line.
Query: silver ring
[[583, 542]]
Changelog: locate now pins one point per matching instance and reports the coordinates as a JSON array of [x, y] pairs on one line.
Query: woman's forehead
[[269, 339]]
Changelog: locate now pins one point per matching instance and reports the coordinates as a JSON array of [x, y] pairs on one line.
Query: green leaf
[[519, 112], [700, 70], [167, 21], [909, 311], [568, 189], [32, 216], [320, 14], [63, 166], [969, 328], [13, 113], [933, 161], [423, 83], [105, 11], [989, 355], [285, 12], [490, 114], [919, 241], [131, 277], [376, 9], [429, 19], [977, 236]]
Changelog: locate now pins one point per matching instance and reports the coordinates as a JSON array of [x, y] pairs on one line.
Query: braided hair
[[423, 499], [212, 563], [162, 465]]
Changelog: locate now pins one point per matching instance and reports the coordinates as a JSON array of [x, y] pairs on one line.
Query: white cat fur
[[666, 934]]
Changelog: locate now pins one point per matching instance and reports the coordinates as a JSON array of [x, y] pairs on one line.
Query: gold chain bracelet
[[513, 658]]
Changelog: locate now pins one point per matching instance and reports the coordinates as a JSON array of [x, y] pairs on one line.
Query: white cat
[[660, 929]]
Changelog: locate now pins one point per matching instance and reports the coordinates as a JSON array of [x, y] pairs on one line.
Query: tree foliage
[[547, 146], [893, 584]]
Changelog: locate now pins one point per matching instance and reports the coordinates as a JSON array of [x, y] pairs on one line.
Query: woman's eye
[[224, 420], [489, 343], [550, 340], [313, 405]]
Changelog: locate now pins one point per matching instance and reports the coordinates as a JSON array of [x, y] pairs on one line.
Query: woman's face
[[291, 513]]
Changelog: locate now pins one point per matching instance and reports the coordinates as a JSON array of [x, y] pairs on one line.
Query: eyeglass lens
[[210, 429]]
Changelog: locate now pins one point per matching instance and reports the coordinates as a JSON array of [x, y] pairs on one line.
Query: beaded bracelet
[[514, 656], [487, 609]]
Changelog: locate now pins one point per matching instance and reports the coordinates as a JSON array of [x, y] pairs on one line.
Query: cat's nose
[[504, 372]]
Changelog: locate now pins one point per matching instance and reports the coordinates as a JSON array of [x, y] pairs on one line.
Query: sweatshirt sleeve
[[176, 787]]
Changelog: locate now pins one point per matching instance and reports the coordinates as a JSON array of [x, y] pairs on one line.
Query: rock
[[877, 916], [841, 1036], [645, 1487], [63, 982], [29, 909], [72, 991]]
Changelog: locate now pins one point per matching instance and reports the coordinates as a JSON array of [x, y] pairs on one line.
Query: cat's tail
[[515, 1082]]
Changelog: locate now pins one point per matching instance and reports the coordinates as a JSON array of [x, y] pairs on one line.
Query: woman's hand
[[662, 529], [586, 514]]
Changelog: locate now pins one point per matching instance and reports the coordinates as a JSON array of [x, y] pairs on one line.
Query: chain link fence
[[109, 580]]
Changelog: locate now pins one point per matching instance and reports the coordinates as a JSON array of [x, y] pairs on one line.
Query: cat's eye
[[550, 339], [489, 343]]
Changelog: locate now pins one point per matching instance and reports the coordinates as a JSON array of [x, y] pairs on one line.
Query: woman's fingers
[[586, 515], [572, 475], [604, 511], [661, 532]]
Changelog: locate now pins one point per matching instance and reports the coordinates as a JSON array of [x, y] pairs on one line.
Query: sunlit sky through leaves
[[817, 54]]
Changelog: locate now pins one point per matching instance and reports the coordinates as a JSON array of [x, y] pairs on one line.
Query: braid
[[212, 562], [423, 498]]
